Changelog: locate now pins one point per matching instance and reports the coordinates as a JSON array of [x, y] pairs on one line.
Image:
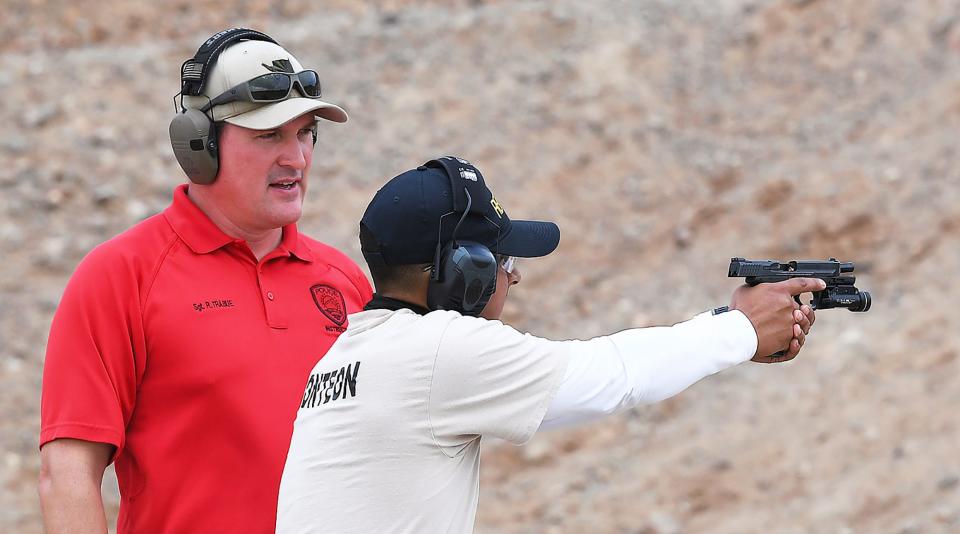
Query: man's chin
[[284, 212], [285, 217]]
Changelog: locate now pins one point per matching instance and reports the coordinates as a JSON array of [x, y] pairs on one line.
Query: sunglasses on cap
[[272, 87], [507, 263]]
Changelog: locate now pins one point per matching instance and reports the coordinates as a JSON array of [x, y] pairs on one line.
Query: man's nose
[[292, 155]]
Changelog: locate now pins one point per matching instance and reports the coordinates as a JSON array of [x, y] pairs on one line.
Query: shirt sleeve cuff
[[738, 331], [84, 432]]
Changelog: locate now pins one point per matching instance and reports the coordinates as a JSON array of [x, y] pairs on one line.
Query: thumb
[[803, 285]]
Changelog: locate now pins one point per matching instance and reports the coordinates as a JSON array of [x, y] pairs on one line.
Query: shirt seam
[[433, 374], [119, 441], [77, 423], [156, 271], [353, 280], [558, 375], [643, 390], [117, 435], [164, 253]]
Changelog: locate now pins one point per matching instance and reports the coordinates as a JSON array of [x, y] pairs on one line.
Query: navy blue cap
[[419, 208]]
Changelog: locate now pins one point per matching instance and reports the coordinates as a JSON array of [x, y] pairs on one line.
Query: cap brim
[[274, 115], [529, 239]]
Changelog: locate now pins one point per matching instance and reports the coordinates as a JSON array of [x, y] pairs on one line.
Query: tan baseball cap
[[244, 61]]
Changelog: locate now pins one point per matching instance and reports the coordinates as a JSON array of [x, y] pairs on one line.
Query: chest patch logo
[[331, 303]]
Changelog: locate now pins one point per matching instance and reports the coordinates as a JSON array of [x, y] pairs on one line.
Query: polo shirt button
[[270, 295]]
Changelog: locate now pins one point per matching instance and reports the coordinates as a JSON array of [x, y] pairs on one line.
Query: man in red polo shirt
[[180, 347]]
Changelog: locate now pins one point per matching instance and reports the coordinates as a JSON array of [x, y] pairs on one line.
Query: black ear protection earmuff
[[193, 134], [464, 273], [194, 139]]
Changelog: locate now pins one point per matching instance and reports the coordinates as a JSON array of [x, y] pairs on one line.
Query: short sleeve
[[350, 270], [491, 380], [362, 284], [94, 354]]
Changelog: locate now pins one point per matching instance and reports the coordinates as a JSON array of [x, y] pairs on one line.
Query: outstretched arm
[[646, 365]]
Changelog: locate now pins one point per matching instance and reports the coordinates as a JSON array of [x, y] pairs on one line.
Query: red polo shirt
[[174, 344]]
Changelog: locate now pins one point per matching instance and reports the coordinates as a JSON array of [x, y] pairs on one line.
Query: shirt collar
[[381, 302], [203, 236], [292, 243]]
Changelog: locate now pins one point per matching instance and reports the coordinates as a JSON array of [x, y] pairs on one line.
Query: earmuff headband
[[194, 71]]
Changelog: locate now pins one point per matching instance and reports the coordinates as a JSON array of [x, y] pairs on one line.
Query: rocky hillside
[[664, 137]]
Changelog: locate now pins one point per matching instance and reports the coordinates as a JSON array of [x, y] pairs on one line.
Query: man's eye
[[267, 135], [306, 131]]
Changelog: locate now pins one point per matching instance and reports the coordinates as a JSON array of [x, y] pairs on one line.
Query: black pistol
[[839, 293]]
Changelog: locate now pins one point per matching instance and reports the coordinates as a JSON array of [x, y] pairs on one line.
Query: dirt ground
[[663, 137]]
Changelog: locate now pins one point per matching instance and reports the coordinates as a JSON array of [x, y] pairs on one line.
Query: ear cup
[[465, 280], [194, 141]]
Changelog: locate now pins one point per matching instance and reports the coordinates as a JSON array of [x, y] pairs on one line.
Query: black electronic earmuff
[[194, 139], [464, 273], [465, 278], [193, 134]]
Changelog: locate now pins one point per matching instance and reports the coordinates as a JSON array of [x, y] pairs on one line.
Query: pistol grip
[[783, 352]]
